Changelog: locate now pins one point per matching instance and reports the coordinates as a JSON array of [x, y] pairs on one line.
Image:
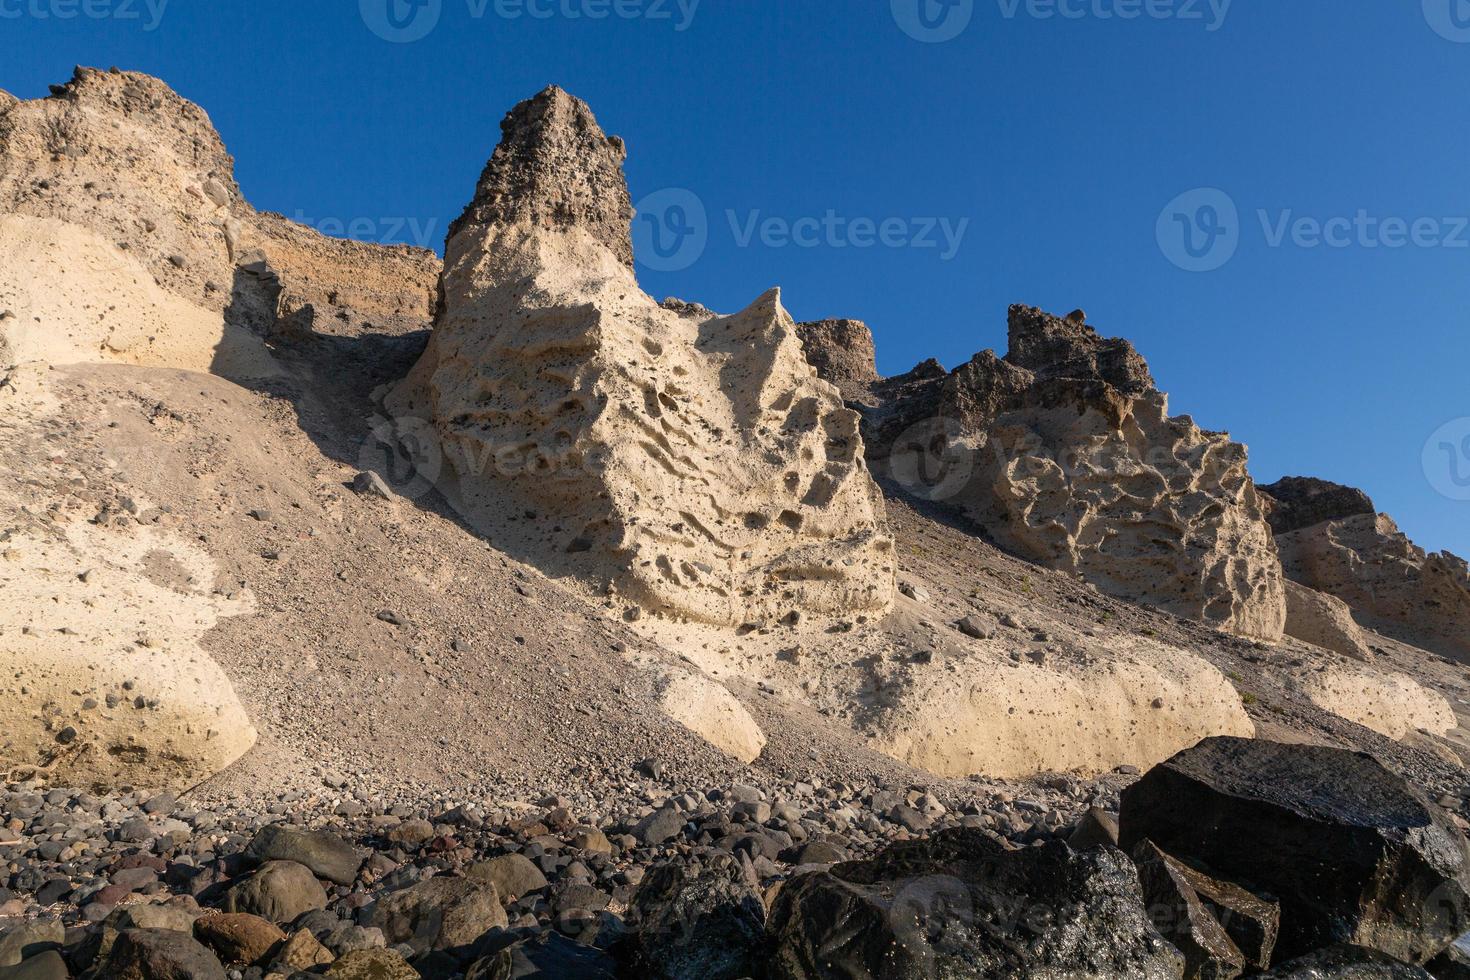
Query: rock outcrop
[[128, 187], [1325, 621], [688, 464], [102, 679], [1296, 502], [956, 905], [1392, 585], [842, 351], [1065, 452], [1353, 852]]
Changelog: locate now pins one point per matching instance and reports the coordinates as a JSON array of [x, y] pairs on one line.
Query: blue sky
[[1306, 148]]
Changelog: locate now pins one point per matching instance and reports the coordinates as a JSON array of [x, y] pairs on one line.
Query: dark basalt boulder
[[1347, 963], [547, 957], [958, 904], [1175, 909], [1297, 502], [697, 922], [160, 954], [1353, 853]]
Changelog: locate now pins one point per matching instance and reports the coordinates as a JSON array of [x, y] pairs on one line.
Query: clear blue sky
[[1060, 140]]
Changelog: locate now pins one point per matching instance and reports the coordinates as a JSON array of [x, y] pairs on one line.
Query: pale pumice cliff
[[690, 465]]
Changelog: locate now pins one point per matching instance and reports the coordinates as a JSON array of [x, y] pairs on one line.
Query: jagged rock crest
[[691, 463]]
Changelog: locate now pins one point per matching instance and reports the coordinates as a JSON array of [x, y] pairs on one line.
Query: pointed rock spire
[[556, 168]]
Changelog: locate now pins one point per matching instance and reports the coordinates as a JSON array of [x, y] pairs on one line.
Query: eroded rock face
[[954, 904], [105, 682], [1296, 502], [1323, 831], [116, 174], [688, 463], [1391, 583], [842, 351], [1324, 621], [1065, 452]]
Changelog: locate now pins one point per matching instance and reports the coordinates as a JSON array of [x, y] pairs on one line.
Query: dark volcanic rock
[[1052, 348], [1346, 963], [1352, 851], [842, 352], [698, 923], [160, 954], [554, 167], [548, 957], [327, 855], [958, 904], [1176, 911], [441, 913], [1302, 501]]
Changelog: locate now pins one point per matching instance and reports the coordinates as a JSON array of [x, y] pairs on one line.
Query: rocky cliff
[[1065, 452], [690, 464], [116, 175]]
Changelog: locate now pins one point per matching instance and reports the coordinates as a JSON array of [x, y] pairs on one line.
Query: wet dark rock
[[1347, 963], [547, 957], [958, 904], [1321, 830], [1177, 912], [698, 923]]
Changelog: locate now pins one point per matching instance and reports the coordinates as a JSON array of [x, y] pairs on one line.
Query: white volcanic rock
[[1066, 454], [685, 463], [1393, 585], [1391, 704], [121, 195], [1133, 702], [102, 679], [1325, 621]]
